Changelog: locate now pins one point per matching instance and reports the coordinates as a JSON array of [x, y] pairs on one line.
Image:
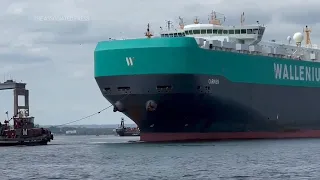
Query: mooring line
[[86, 117]]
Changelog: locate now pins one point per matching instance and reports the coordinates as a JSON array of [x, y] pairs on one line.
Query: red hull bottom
[[167, 137]]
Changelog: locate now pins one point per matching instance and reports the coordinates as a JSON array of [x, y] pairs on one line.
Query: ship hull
[[212, 136], [186, 107], [17, 143]]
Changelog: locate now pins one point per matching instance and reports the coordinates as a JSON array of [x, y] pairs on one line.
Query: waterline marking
[[61, 18]]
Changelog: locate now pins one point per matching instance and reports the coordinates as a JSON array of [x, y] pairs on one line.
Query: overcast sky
[[50, 44]]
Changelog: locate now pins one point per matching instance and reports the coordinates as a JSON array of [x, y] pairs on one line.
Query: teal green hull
[[183, 56]]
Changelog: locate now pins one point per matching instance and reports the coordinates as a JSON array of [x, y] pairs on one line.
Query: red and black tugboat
[[23, 130]]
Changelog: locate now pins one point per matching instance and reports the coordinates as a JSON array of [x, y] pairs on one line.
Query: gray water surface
[[111, 157]]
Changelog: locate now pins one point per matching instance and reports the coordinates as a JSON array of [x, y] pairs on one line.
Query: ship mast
[[181, 23], [308, 40], [148, 34], [196, 21], [242, 19], [169, 25], [213, 19]]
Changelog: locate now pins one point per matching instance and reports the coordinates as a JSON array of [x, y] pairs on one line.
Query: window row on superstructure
[[221, 31], [173, 35], [215, 31]]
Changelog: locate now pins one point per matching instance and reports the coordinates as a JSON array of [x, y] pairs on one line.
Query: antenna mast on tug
[[148, 33]]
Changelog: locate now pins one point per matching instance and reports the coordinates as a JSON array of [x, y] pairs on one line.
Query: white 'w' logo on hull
[[129, 61]]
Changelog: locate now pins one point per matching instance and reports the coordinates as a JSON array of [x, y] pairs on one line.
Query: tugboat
[[23, 132], [127, 131]]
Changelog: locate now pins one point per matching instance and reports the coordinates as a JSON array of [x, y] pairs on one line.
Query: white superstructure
[[244, 39]]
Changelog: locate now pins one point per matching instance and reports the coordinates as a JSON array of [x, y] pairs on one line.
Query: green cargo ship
[[210, 81]]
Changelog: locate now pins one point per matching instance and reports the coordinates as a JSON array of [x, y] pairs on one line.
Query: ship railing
[[299, 54], [119, 39]]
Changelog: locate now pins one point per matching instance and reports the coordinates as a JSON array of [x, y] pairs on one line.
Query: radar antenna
[[148, 34], [181, 23], [242, 19], [307, 31], [196, 21]]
